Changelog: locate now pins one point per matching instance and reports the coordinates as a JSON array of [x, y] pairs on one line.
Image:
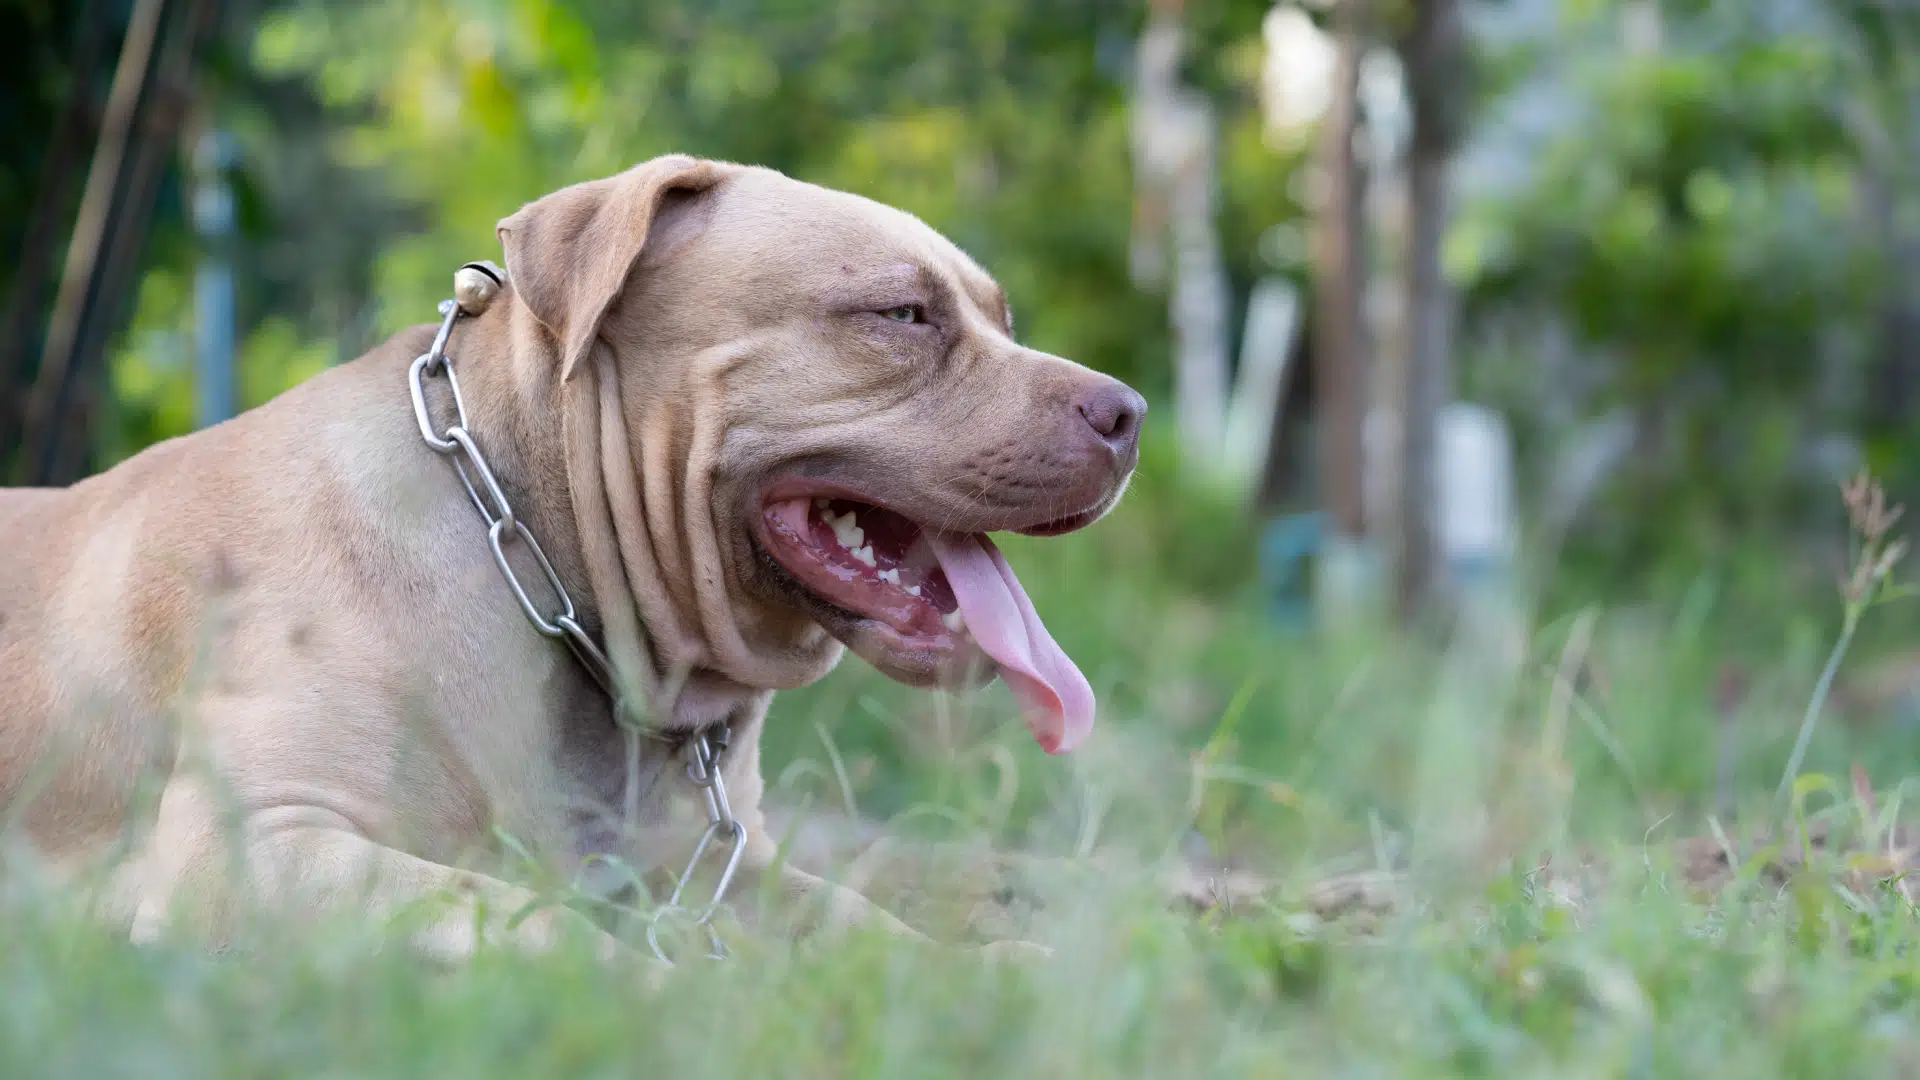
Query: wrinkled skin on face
[[829, 395]]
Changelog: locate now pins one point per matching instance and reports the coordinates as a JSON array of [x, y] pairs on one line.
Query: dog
[[749, 422]]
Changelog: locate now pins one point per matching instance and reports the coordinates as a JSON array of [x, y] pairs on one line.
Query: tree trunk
[[145, 109], [1893, 378], [1433, 58], [91, 235], [52, 208], [1340, 348]]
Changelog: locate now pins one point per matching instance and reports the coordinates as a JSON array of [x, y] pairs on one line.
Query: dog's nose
[[1114, 411]]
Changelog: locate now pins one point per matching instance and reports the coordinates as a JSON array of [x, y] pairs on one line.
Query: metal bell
[[476, 284]]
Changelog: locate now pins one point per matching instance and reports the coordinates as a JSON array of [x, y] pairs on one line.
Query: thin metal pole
[[213, 280]]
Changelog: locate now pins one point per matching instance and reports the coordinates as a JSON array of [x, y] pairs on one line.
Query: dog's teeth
[[821, 504], [955, 621], [844, 530], [891, 577], [912, 590], [864, 554]]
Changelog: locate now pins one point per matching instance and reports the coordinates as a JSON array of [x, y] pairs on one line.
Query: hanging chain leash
[[475, 285]]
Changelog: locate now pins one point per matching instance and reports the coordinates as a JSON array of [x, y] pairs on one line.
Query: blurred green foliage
[[1003, 123], [1726, 230], [1718, 227]]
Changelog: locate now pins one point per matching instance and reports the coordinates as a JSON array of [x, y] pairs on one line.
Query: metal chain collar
[[475, 286]]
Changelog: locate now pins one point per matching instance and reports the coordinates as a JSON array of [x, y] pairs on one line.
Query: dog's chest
[[631, 796]]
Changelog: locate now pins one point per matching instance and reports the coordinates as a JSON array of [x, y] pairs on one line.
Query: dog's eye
[[906, 313]]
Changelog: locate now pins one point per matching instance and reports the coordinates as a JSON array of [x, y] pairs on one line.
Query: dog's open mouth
[[943, 596]]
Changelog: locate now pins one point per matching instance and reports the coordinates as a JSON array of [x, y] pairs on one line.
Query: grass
[[1645, 983], [1558, 859]]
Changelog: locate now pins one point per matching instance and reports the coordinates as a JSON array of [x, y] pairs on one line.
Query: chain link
[[504, 530], [703, 768]]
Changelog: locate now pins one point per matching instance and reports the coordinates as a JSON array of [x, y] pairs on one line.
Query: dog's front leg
[[820, 907], [306, 861]]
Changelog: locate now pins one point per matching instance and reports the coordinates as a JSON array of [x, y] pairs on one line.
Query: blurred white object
[[1273, 321], [1641, 28], [1476, 519], [1478, 529], [1296, 82], [1477, 525]]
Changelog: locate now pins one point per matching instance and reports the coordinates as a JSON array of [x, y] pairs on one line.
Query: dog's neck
[[611, 507]]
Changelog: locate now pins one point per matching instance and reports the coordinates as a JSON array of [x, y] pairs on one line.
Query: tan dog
[[747, 418]]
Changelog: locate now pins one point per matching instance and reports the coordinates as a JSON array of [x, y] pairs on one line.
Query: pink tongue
[[1056, 698]]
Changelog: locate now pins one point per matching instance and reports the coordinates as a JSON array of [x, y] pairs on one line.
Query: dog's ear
[[569, 254]]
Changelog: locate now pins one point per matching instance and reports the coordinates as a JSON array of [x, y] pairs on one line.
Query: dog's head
[[827, 398]]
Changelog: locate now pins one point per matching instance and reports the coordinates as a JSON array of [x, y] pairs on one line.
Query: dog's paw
[[1018, 952]]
